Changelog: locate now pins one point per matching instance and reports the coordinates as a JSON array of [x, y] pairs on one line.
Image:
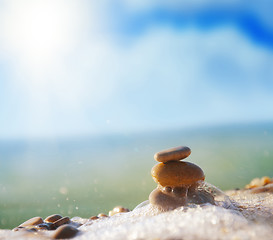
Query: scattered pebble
[[31, 222], [63, 226], [172, 154], [118, 209], [65, 231], [61, 221], [53, 218]]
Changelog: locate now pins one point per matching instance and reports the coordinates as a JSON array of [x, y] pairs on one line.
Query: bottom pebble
[[65, 231]]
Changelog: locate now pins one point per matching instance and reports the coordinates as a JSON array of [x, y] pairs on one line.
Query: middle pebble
[[175, 174]]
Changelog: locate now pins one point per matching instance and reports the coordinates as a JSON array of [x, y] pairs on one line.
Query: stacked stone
[[177, 180]]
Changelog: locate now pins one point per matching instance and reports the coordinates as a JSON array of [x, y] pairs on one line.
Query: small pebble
[[31, 222], [165, 201], [65, 231], [53, 218], [172, 154], [94, 218], [61, 221], [118, 209], [101, 215]]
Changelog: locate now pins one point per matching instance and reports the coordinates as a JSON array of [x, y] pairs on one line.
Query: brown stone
[[65, 231], [166, 201], [175, 174], [32, 222], [172, 154], [61, 221], [118, 209], [53, 218]]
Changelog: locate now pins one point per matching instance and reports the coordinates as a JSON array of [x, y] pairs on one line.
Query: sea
[[85, 176]]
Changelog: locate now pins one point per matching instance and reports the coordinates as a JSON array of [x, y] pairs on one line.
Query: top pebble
[[172, 154]]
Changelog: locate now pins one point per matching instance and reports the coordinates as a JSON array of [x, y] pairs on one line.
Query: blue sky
[[81, 68]]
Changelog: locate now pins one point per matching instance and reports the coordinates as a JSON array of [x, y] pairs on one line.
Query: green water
[[86, 176]]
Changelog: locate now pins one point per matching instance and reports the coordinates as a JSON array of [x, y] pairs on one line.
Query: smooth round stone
[[32, 222], [172, 154], [61, 222], [53, 218], [166, 201], [175, 174], [118, 209], [65, 231]]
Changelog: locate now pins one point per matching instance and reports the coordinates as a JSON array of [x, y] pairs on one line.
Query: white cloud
[[182, 67]]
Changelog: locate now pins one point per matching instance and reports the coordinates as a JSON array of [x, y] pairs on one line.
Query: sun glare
[[41, 30]]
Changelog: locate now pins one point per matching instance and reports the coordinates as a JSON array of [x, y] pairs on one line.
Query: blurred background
[[90, 90]]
